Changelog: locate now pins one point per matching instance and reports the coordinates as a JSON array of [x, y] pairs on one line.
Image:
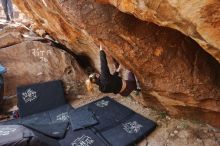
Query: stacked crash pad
[[104, 122]]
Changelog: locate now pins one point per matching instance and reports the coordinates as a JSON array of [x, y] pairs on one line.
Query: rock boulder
[[33, 62], [175, 73], [197, 19]]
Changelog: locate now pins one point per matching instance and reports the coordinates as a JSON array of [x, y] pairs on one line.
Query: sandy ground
[[170, 131]]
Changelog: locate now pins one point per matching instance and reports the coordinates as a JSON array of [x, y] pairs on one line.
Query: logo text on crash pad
[[29, 95], [62, 117], [6, 131], [132, 127], [102, 103], [83, 141]]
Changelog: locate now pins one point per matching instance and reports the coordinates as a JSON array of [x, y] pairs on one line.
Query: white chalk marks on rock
[[41, 54]]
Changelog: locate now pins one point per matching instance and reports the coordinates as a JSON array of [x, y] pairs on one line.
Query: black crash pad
[[40, 118], [12, 134], [117, 124], [48, 141], [82, 138], [61, 113], [130, 131], [82, 118], [52, 123], [10, 122], [39, 121], [40, 97], [46, 125], [54, 130], [108, 112]]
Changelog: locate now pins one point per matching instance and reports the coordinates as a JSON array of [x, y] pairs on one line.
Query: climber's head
[[93, 79]]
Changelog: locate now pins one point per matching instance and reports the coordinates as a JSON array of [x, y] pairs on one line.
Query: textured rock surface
[[29, 61], [33, 62], [175, 73], [196, 18], [9, 39], [50, 16]]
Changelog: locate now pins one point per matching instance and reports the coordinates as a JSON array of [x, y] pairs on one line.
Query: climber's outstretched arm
[[105, 73]]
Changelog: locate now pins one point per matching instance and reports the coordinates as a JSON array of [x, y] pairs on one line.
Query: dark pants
[[1, 91], [8, 8], [130, 84]]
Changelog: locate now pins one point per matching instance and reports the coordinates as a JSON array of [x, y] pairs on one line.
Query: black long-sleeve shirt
[[108, 83]]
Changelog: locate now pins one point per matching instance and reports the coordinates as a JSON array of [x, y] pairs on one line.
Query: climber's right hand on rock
[[100, 47]]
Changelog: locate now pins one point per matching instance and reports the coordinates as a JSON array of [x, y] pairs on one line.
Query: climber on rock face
[[2, 71], [8, 9], [111, 83]]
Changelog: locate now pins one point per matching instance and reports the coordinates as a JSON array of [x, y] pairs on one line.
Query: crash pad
[[130, 131], [40, 97], [82, 118], [53, 130], [108, 112], [82, 138], [53, 123], [117, 124], [18, 135], [61, 113]]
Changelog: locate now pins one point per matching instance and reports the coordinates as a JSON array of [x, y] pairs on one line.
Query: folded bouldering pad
[[108, 112], [54, 130], [2, 69], [40, 97], [82, 118], [53, 123], [61, 113]]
